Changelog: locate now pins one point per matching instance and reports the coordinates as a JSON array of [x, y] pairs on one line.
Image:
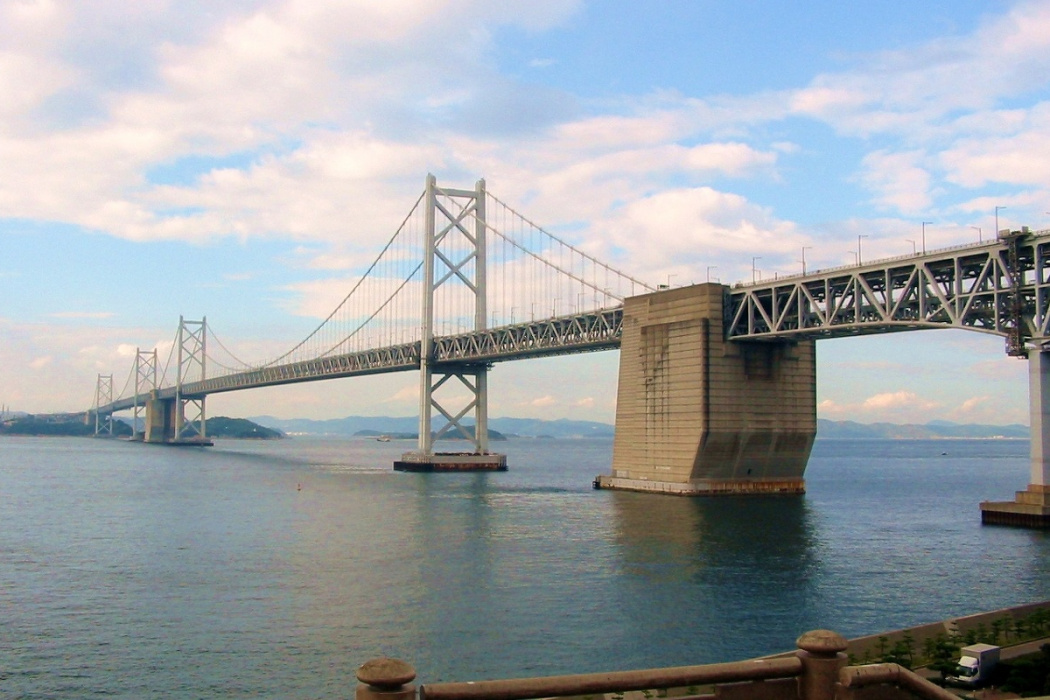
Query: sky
[[244, 160]]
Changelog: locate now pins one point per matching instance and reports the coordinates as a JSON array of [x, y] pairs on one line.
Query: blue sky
[[243, 160]]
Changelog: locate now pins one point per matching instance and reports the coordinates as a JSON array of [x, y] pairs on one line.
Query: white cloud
[[897, 399], [898, 179], [688, 229]]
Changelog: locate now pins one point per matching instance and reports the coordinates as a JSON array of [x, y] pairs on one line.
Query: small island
[[41, 426], [240, 428]]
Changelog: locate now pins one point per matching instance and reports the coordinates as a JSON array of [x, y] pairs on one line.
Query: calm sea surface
[[136, 571]]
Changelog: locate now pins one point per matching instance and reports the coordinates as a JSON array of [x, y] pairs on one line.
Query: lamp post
[[804, 249], [858, 247], [978, 229], [913, 250], [754, 271], [709, 268], [924, 235], [997, 208]]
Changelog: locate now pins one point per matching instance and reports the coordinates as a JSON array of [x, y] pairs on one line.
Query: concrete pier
[[162, 419], [1031, 507], [697, 415]]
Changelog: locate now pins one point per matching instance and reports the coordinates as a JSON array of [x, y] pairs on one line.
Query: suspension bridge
[[717, 384], [464, 282]]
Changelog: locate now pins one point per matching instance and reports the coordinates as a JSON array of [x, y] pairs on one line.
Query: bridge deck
[[563, 335]]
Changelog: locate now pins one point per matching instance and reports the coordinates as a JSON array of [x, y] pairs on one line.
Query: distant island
[[26, 424], [218, 427], [240, 428], [451, 435], [406, 428]]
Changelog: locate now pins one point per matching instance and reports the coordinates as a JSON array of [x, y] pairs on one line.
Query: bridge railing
[[817, 671], [882, 262]]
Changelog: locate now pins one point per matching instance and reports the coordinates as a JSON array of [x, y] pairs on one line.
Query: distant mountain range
[[928, 431], [387, 425], [564, 428]]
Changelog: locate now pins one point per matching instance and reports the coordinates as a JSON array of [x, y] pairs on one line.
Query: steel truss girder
[[1000, 287], [599, 330], [397, 357]]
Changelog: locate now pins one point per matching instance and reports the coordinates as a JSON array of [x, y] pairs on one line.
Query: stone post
[[386, 679], [822, 653]]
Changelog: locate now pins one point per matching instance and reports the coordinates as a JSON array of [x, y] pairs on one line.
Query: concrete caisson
[[699, 415]]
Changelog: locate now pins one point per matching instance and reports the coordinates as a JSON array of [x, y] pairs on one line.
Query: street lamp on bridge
[[997, 208], [858, 246], [754, 271], [924, 235], [913, 250], [978, 229], [804, 249]]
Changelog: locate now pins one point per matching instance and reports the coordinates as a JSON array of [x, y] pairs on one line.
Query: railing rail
[[618, 681], [817, 671], [892, 674]]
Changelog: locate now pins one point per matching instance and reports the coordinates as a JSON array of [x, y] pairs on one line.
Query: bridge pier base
[[163, 420], [1031, 507], [697, 415], [451, 462]]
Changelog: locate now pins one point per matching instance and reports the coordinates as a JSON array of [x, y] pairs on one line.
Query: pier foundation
[[451, 462], [163, 419], [697, 415]]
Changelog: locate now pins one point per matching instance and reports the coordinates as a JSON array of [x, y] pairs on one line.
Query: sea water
[[273, 569]]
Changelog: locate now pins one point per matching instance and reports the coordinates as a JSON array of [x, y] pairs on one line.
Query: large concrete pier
[[164, 422], [698, 415]]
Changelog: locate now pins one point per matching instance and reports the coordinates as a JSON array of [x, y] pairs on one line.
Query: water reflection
[[744, 566]]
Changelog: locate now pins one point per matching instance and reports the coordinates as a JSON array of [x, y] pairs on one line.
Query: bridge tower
[[103, 397], [145, 382], [454, 235], [166, 419], [192, 350]]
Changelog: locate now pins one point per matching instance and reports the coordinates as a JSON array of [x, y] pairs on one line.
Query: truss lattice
[[1000, 287]]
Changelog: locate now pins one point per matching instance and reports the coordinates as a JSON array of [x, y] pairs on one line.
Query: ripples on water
[[139, 571]]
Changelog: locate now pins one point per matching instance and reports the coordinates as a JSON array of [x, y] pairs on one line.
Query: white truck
[[976, 662]]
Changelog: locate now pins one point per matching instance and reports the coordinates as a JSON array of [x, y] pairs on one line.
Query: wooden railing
[[818, 671]]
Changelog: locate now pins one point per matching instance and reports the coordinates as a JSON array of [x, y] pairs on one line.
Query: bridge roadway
[[1000, 286], [562, 335]]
